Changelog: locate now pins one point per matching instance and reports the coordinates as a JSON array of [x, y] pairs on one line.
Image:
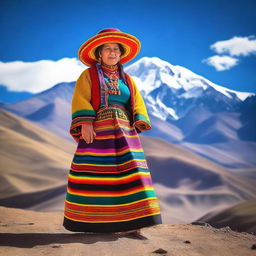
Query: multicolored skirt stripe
[[109, 184]]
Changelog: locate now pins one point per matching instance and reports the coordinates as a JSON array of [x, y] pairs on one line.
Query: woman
[[109, 185]]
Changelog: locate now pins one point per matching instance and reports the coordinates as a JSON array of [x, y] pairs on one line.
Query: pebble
[[226, 229], [253, 247], [160, 251], [56, 246], [201, 223]]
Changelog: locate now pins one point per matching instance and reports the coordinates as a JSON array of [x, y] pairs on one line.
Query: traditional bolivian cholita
[[109, 183]]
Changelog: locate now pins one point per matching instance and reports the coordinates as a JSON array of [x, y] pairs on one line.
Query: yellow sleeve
[[82, 110], [141, 120]]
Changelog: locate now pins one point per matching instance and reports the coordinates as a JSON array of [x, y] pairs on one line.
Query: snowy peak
[[171, 91], [152, 72]]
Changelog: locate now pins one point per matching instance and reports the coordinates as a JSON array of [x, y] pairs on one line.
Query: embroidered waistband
[[112, 106]]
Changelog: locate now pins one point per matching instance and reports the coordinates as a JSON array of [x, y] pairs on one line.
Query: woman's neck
[[111, 71]]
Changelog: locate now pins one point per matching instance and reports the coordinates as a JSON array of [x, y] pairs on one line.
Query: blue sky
[[180, 32]]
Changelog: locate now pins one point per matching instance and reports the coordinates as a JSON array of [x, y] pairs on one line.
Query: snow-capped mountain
[[172, 91]]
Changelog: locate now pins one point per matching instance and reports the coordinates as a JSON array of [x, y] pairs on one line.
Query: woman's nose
[[112, 50]]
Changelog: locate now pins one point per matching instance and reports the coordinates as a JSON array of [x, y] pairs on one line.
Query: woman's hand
[[88, 132]]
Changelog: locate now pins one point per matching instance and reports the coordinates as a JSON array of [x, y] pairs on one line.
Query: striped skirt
[[109, 184]]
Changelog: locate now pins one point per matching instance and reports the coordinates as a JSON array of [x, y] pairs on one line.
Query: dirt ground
[[24, 232]]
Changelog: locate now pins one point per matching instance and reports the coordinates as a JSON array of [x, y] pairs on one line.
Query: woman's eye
[[110, 50]]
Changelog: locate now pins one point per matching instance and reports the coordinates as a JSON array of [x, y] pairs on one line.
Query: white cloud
[[40, 75], [221, 62], [236, 46]]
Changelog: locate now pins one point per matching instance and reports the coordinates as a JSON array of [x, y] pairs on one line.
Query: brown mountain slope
[[241, 217], [34, 162], [188, 184]]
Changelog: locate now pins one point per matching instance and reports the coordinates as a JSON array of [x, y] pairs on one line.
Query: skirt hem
[[76, 226]]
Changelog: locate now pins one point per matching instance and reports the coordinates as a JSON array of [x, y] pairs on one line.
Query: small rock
[[160, 251], [201, 223], [56, 246], [226, 229], [253, 247], [187, 242]]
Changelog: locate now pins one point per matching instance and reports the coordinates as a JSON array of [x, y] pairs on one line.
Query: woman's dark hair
[[99, 48]]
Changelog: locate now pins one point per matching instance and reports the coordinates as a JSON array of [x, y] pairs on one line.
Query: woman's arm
[[82, 110], [141, 121]]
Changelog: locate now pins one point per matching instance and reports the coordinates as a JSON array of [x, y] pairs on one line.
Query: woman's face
[[110, 53]]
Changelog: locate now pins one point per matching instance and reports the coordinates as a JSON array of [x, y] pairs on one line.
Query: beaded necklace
[[113, 76]]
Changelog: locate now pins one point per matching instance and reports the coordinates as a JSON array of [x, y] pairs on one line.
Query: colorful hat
[[131, 44]]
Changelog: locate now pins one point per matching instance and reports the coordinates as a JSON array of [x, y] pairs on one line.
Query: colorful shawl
[[90, 97]]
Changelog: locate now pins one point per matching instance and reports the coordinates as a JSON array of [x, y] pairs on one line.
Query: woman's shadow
[[29, 240]]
